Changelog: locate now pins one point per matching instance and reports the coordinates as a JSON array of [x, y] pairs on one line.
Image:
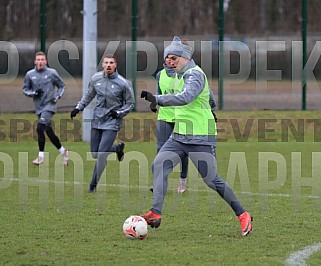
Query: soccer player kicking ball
[[194, 135], [166, 83], [40, 83]]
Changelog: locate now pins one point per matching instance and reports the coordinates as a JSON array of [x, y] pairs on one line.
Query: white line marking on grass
[[136, 186], [299, 258]]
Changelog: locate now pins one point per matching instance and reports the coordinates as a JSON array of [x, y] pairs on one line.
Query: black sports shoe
[[91, 189], [120, 151]]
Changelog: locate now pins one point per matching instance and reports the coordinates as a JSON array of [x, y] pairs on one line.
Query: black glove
[[143, 94], [38, 92], [148, 97], [114, 114], [73, 113], [55, 100], [215, 118]]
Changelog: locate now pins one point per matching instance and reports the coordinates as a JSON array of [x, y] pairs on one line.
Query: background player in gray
[[40, 84], [114, 100]]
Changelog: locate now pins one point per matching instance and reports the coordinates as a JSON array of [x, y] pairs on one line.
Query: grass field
[[270, 158]]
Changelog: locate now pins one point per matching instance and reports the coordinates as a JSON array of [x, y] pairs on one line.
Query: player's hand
[[215, 117], [38, 92], [114, 114], [148, 97], [55, 99], [143, 94], [73, 113]]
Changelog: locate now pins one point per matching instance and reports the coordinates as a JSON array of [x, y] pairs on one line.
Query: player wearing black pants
[[40, 84]]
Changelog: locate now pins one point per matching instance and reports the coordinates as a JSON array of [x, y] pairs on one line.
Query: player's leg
[[183, 177], [56, 142], [47, 116], [95, 137], [101, 146], [41, 127], [164, 131], [203, 157], [95, 142], [167, 158]]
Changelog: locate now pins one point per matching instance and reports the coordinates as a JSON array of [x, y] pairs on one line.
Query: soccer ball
[[135, 227]]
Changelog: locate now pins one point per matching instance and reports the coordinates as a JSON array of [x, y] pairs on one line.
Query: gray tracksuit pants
[[101, 145], [202, 156], [164, 131]]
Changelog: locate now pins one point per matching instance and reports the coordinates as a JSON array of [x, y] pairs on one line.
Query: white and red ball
[[135, 227]]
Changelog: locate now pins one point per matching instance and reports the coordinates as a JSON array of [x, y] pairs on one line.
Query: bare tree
[[20, 19]]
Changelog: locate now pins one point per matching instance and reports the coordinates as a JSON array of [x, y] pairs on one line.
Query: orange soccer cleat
[[153, 219], [246, 223]]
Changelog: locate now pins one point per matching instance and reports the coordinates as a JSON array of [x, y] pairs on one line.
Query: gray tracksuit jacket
[[112, 93], [46, 80]]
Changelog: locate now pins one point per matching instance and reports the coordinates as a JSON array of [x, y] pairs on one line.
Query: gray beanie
[[178, 48]]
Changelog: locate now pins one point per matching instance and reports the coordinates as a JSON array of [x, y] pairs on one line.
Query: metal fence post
[[134, 39], [43, 26], [221, 55], [89, 63], [304, 51]]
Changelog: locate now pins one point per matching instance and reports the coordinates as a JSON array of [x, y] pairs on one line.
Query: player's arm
[[85, 100], [128, 100], [27, 88], [212, 100], [60, 85], [193, 86], [158, 90], [88, 97], [212, 104]]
